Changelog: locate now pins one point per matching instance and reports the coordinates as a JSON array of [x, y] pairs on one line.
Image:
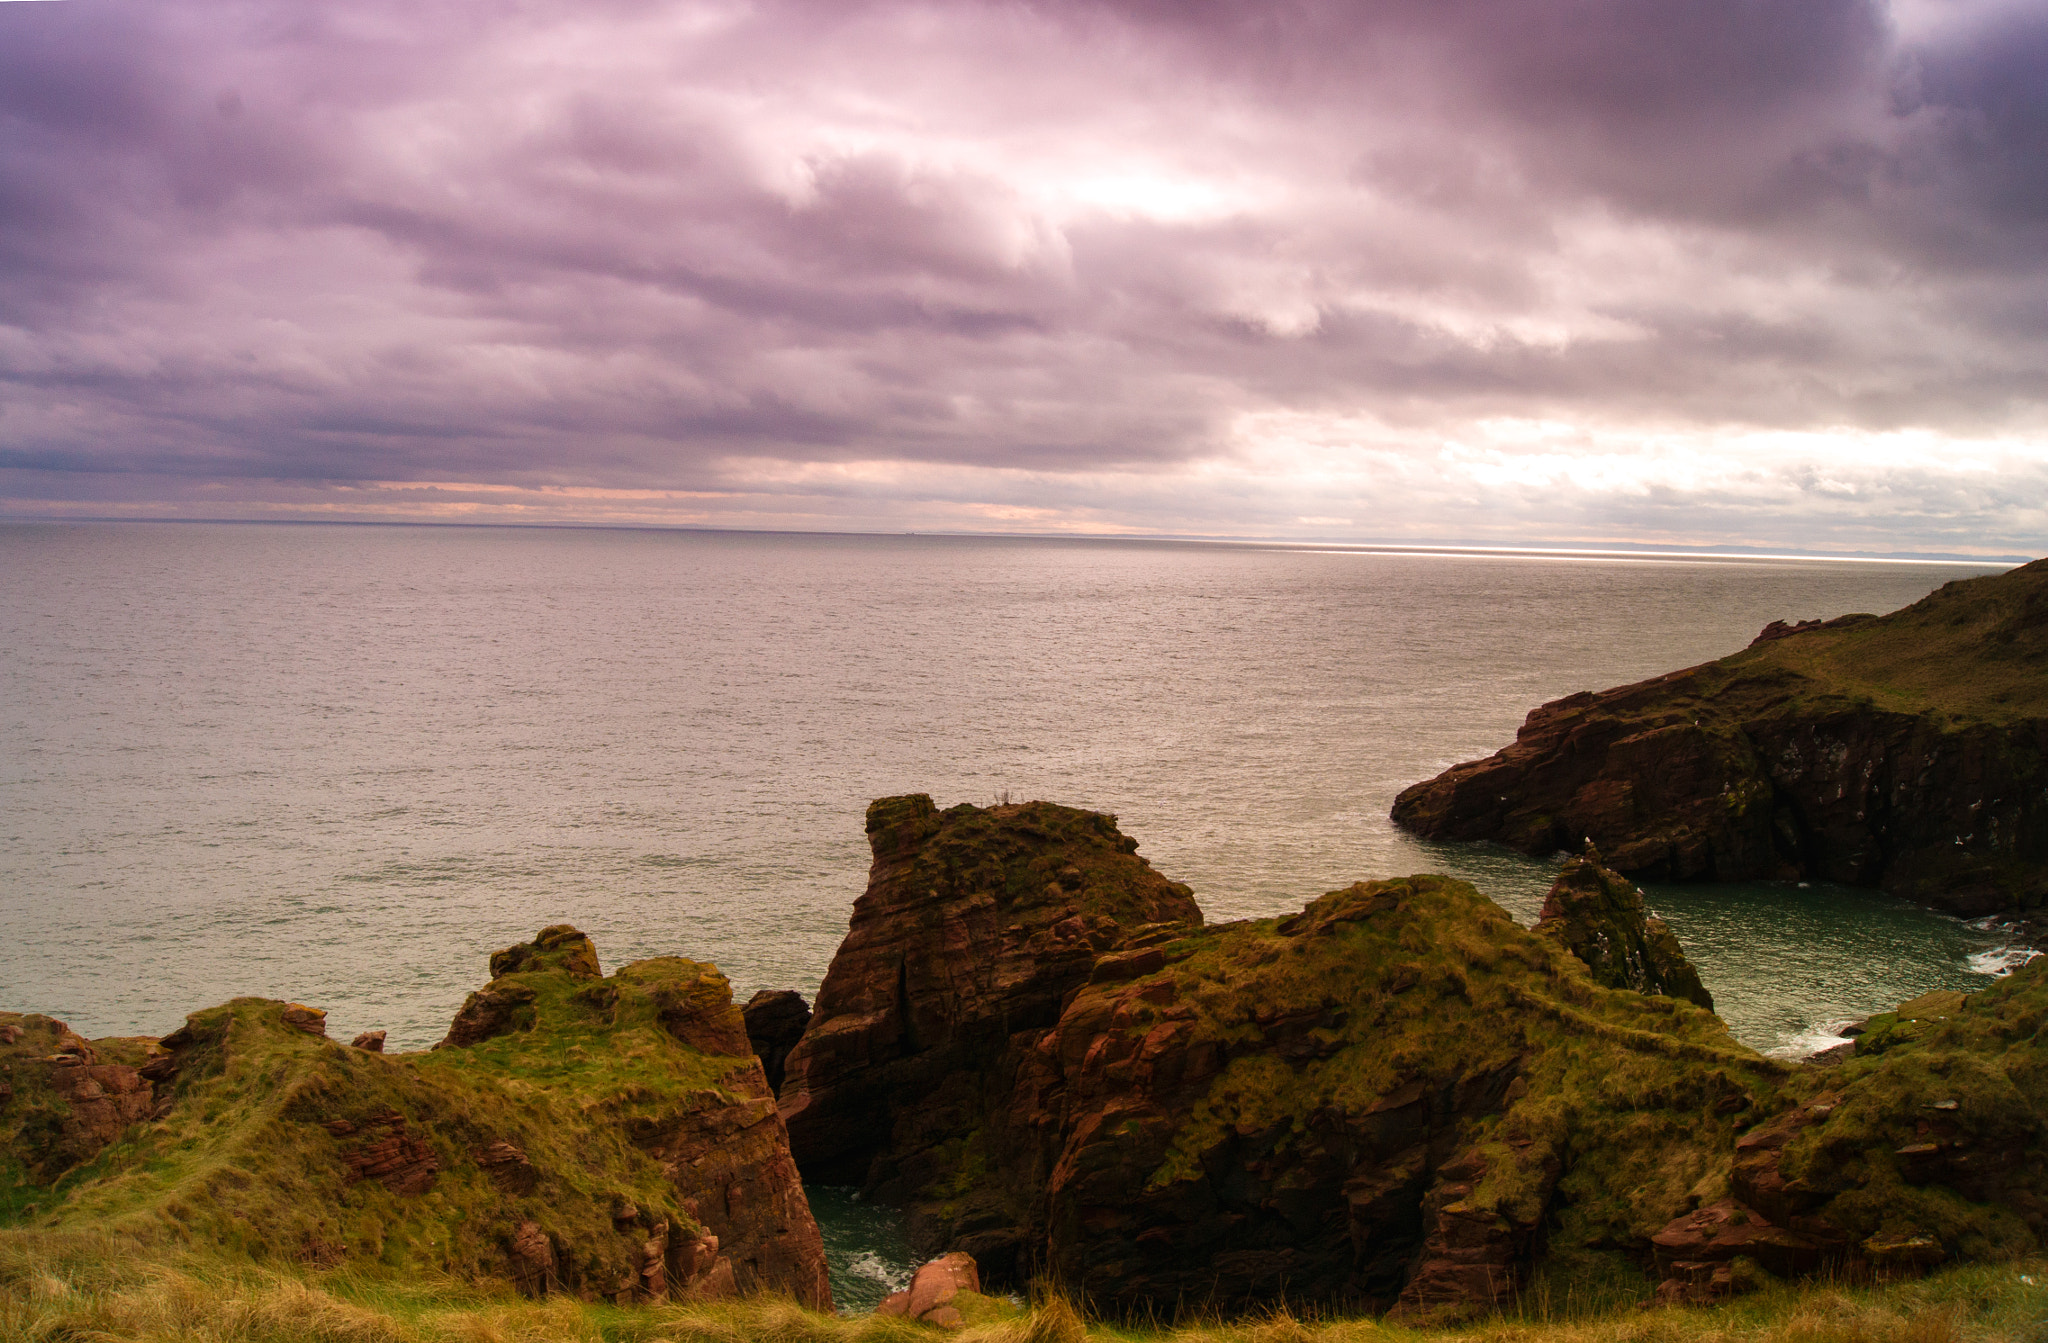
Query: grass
[[1971, 649], [84, 1288], [247, 1162]]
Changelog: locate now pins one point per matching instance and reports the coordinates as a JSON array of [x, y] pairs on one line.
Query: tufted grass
[[97, 1288]]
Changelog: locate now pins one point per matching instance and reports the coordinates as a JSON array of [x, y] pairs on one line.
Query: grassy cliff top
[[1976, 649], [97, 1287], [1972, 651], [264, 1147]]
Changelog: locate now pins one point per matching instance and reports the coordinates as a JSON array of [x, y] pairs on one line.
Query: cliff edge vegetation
[[79, 1287], [1908, 752]]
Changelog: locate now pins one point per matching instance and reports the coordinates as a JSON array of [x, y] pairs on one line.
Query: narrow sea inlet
[[341, 765]]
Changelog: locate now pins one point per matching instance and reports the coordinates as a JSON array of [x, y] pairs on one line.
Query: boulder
[[933, 1289], [370, 1040], [775, 1022], [1908, 752], [1598, 915]]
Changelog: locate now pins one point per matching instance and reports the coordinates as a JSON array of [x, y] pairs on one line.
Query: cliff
[[975, 927], [606, 1137], [1030, 1041], [1908, 751], [1395, 1099]]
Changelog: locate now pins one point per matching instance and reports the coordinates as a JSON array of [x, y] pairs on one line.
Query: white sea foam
[[873, 1267], [1819, 1036], [2001, 960]]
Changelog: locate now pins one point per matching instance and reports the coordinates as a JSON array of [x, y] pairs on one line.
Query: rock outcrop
[[975, 927], [1908, 752], [608, 1137], [1598, 915], [1929, 1145], [63, 1100], [1394, 1098], [775, 1019], [933, 1290]]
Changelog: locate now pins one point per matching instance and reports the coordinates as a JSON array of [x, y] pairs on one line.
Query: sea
[[342, 764]]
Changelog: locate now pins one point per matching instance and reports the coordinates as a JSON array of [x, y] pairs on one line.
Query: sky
[[1765, 273]]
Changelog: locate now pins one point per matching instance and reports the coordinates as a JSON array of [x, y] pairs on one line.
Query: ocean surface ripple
[[343, 764]]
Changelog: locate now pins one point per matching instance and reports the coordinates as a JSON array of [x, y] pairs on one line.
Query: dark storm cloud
[[1186, 266]]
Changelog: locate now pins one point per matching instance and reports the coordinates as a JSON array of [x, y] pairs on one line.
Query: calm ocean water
[[344, 764]]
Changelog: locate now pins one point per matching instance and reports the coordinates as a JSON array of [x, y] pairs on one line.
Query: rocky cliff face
[[975, 927], [609, 1137], [1395, 1099], [1391, 1098], [1908, 752], [1930, 1145], [1598, 915]]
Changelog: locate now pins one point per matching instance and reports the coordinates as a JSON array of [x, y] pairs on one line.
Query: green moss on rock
[[596, 1144]]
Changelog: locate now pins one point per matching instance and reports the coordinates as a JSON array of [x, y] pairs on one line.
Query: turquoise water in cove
[[343, 764]]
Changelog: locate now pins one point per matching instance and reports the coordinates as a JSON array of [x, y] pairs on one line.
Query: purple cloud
[[1179, 267]]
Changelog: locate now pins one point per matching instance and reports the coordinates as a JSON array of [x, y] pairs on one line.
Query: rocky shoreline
[[1394, 1101], [1907, 752]]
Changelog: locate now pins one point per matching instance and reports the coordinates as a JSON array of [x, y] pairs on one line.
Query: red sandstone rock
[[401, 1161], [532, 1257], [373, 1041], [1719, 1232], [931, 1292], [1598, 915], [508, 1167], [311, 1020], [975, 926], [560, 947], [496, 1010], [74, 1104], [775, 1019]]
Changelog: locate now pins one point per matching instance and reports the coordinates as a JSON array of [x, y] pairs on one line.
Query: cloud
[[1203, 268]]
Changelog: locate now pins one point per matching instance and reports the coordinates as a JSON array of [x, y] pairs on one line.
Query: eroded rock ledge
[[1908, 752]]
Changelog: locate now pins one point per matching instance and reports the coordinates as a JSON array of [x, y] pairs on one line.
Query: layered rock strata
[[605, 1136], [1908, 752], [975, 928]]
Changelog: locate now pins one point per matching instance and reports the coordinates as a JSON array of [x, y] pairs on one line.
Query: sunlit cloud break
[[1769, 275]]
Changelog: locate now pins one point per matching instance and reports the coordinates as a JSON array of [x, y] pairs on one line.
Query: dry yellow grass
[[99, 1289]]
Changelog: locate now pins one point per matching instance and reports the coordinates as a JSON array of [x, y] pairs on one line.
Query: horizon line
[[1424, 549]]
